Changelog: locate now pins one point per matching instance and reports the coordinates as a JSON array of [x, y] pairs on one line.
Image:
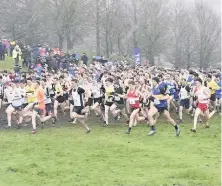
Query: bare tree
[[185, 37], [207, 35], [153, 28]]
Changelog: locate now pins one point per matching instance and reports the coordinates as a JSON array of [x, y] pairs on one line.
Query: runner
[[39, 106], [78, 98], [184, 98], [159, 98], [202, 94]]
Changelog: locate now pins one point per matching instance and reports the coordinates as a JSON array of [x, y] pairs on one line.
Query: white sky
[[215, 4]]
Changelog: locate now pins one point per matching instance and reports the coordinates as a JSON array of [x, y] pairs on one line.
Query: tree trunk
[[135, 43], [97, 29], [201, 59], [13, 32], [188, 61], [151, 59], [118, 45], [188, 53], [111, 45], [69, 41], [61, 39], [107, 44]]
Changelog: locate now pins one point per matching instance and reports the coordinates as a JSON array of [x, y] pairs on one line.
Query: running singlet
[[212, 86], [17, 100], [108, 94], [184, 92], [219, 91], [171, 88], [133, 99], [202, 97], [40, 95], [58, 89], [117, 99], [30, 93], [159, 103]]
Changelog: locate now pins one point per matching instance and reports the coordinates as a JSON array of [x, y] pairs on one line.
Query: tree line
[[164, 31]]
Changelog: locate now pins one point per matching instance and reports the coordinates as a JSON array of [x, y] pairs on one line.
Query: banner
[[137, 59]]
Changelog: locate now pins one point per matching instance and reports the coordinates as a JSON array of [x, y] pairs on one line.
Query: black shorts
[[39, 111], [185, 103], [213, 97], [61, 99], [66, 96], [109, 103], [24, 105], [132, 109], [78, 110], [98, 100], [145, 105], [161, 109], [90, 102], [1, 97], [19, 108], [120, 106], [48, 107], [52, 96], [71, 102]]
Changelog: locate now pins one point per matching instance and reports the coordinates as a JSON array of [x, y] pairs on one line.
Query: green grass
[[8, 64], [108, 157]]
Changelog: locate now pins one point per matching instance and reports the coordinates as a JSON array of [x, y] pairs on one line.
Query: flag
[[137, 59]]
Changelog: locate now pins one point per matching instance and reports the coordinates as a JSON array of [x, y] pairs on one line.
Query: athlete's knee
[[73, 115], [150, 115]]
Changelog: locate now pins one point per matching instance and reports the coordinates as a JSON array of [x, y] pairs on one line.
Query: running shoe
[[193, 130], [152, 132], [71, 120], [33, 131], [177, 132], [180, 121], [7, 127], [42, 124], [18, 126]]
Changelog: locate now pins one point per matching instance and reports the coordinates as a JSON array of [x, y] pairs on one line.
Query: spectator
[[12, 46], [2, 51], [76, 58], [84, 58], [16, 54]]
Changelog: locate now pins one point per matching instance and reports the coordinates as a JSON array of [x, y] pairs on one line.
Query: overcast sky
[[215, 4]]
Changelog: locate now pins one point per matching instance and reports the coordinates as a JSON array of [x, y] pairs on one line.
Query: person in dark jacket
[[2, 51], [84, 58]]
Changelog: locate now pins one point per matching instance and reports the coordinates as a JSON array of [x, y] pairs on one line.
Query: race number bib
[[117, 98], [110, 99], [132, 101], [156, 102]]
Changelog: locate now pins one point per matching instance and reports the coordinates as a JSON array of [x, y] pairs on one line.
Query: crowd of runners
[[117, 90]]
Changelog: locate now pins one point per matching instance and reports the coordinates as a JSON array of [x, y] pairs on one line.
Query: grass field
[[7, 64], [108, 157]]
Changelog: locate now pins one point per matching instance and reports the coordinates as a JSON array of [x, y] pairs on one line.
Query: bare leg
[[34, 115], [196, 114], [56, 104], [153, 110], [106, 114], [9, 112]]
